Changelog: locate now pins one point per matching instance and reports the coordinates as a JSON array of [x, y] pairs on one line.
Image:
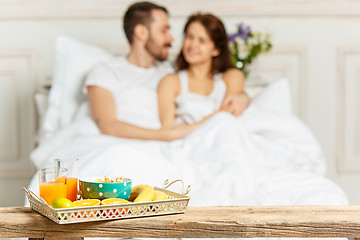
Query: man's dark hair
[[139, 13]]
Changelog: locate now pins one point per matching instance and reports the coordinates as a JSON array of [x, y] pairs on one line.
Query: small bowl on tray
[[96, 187]]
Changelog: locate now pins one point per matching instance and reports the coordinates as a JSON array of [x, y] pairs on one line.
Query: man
[[119, 89]]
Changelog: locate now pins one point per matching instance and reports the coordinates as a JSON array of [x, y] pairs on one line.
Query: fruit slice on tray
[[86, 203], [110, 201], [116, 211]]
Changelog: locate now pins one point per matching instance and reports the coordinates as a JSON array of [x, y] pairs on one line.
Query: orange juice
[[52, 190], [71, 188]]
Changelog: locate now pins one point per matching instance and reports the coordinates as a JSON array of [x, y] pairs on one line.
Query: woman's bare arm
[[168, 89], [236, 100], [234, 80]]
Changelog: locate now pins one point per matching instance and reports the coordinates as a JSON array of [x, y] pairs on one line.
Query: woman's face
[[198, 46]]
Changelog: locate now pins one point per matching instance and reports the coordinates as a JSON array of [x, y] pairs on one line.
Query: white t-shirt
[[134, 89]]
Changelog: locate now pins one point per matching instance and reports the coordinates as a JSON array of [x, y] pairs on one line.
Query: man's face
[[160, 38]]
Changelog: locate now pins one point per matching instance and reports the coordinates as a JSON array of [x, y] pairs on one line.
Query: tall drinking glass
[[72, 166], [52, 182]]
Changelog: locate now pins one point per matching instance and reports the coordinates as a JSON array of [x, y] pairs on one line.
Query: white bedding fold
[[260, 158]]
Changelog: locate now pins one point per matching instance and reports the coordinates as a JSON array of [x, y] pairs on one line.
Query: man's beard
[[156, 50]]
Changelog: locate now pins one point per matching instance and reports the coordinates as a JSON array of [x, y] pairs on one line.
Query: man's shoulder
[[172, 76], [165, 66], [113, 62], [120, 67]]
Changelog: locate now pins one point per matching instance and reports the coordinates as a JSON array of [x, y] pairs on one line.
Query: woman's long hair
[[216, 30]]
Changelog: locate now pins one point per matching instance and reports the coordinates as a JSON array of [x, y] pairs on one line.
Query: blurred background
[[316, 45]]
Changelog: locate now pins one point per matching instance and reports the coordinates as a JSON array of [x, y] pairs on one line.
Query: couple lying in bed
[[206, 81], [242, 155]]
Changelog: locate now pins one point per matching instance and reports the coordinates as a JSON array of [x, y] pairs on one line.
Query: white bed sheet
[[260, 158]]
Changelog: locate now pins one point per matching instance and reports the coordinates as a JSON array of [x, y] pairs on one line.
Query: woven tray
[[176, 203]]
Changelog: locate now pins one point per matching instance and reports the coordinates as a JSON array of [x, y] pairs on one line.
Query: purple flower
[[240, 25], [243, 31], [232, 37]]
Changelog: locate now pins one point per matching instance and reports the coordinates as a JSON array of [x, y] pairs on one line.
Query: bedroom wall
[[316, 46]]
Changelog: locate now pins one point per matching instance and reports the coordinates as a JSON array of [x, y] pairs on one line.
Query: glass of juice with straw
[[72, 165], [52, 183]]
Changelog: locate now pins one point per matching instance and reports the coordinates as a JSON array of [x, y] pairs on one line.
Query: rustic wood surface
[[197, 222]]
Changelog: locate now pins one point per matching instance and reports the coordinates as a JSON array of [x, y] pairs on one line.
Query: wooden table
[[197, 222]]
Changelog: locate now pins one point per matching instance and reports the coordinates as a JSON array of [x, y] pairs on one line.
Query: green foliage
[[246, 45]]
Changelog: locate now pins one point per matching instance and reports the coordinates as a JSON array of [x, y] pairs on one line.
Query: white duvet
[[260, 158]]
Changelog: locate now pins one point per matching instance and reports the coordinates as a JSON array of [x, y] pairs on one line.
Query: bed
[[267, 156]]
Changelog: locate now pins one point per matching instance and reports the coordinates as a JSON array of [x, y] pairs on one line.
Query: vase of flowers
[[246, 45]]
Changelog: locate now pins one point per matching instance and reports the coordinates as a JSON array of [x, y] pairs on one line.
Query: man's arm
[[103, 112], [236, 100]]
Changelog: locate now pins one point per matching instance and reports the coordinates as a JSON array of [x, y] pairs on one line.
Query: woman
[[205, 78]]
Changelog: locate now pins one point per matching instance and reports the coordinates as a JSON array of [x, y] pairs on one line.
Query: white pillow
[[274, 97], [73, 60]]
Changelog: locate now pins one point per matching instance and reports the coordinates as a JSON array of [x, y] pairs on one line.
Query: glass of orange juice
[[52, 182], [72, 166]]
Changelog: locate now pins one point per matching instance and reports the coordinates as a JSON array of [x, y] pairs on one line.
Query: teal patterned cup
[[89, 188]]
